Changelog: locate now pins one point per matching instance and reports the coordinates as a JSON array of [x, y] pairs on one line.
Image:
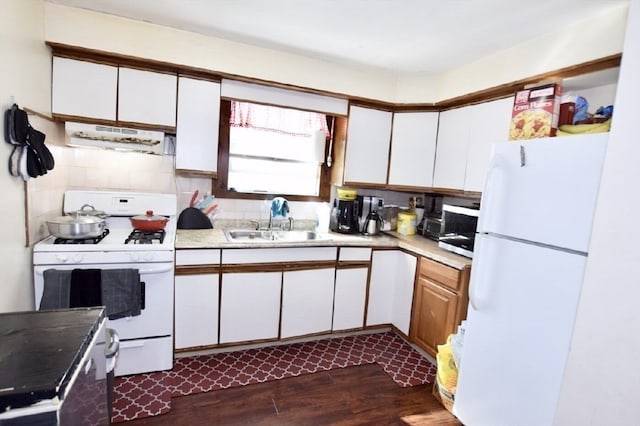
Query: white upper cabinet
[[413, 147], [84, 89], [367, 151], [451, 151], [198, 125], [465, 136], [147, 97], [491, 119]]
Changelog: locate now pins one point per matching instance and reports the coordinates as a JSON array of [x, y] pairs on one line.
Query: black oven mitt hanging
[[30, 156], [39, 153]]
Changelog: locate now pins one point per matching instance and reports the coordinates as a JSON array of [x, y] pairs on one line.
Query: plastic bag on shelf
[[457, 342]]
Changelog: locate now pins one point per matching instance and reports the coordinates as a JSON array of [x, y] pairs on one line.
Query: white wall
[[103, 32], [25, 74], [602, 378], [592, 39]]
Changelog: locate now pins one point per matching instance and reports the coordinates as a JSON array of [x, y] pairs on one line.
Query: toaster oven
[[430, 227]]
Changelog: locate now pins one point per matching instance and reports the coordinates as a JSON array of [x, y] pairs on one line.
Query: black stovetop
[[40, 350]]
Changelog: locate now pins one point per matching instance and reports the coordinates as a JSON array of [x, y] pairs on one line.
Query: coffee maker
[[369, 204], [345, 215]]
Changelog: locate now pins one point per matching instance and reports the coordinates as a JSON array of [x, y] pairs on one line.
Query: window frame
[[219, 185]]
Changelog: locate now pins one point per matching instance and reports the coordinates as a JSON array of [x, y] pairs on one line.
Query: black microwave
[[458, 228]]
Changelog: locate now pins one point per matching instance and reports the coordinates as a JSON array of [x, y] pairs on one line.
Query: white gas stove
[[147, 338], [120, 206]]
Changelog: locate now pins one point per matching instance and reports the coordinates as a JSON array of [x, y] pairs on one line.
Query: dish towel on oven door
[[84, 289], [119, 290], [56, 292]]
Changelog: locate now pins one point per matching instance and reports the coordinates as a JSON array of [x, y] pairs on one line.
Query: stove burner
[[91, 240], [145, 237]]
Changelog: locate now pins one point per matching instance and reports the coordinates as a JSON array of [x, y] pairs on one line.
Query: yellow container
[[347, 194], [407, 222]]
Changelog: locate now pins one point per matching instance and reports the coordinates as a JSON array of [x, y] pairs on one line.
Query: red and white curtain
[[275, 119]]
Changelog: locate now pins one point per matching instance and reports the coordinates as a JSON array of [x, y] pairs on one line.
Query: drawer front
[[144, 356], [278, 255], [355, 254], [198, 257], [445, 275]]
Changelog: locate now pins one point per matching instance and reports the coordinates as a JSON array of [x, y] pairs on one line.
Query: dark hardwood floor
[[362, 395]]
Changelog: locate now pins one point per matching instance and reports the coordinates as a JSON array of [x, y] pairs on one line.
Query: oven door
[[146, 340]]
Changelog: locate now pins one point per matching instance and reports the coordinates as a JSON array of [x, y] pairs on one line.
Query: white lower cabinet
[[391, 289], [250, 306], [349, 298], [403, 291], [381, 287], [251, 295], [307, 302], [196, 310]]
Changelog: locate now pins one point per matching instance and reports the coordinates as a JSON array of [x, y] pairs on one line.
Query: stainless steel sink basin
[[248, 235]]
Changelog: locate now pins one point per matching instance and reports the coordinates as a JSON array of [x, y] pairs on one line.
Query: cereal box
[[535, 112]]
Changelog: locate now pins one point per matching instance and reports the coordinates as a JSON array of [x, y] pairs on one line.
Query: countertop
[[215, 238], [40, 350]]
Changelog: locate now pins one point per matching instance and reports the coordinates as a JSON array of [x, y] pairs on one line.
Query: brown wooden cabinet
[[440, 303]]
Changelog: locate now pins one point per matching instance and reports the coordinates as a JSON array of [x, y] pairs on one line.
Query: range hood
[[116, 138]]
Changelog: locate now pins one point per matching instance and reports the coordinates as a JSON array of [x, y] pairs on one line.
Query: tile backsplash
[[98, 169], [90, 169]]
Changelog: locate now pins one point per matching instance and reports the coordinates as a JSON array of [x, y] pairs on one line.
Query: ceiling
[[399, 36]]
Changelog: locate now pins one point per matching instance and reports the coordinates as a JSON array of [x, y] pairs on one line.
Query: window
[[273, 150]]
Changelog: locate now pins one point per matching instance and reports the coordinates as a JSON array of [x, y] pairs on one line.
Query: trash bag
[[448, 361]]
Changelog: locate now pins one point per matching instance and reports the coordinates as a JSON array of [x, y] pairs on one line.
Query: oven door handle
[[155, 271], [39, 270]]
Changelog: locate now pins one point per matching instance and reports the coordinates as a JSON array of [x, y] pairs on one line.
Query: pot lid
[[76, 220], [88, 210], [150, 217]]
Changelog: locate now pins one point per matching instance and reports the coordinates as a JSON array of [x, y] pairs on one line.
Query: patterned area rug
[[150, 394]]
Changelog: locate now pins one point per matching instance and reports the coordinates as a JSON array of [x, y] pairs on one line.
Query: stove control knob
[[135, 257], [148, 257], [77, 258], [62, 258]]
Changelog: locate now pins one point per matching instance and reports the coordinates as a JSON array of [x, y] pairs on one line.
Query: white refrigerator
[[530, 252]]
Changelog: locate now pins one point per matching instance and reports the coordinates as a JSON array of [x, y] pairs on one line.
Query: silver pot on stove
[[76, 227]]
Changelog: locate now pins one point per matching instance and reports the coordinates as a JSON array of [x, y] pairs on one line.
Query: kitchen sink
[[248, 235]]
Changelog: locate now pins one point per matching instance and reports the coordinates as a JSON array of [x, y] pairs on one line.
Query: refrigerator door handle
[[480, 284], [522, 156], [489, 196]]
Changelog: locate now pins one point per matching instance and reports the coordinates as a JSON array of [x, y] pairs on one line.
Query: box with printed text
[[535, 112]]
